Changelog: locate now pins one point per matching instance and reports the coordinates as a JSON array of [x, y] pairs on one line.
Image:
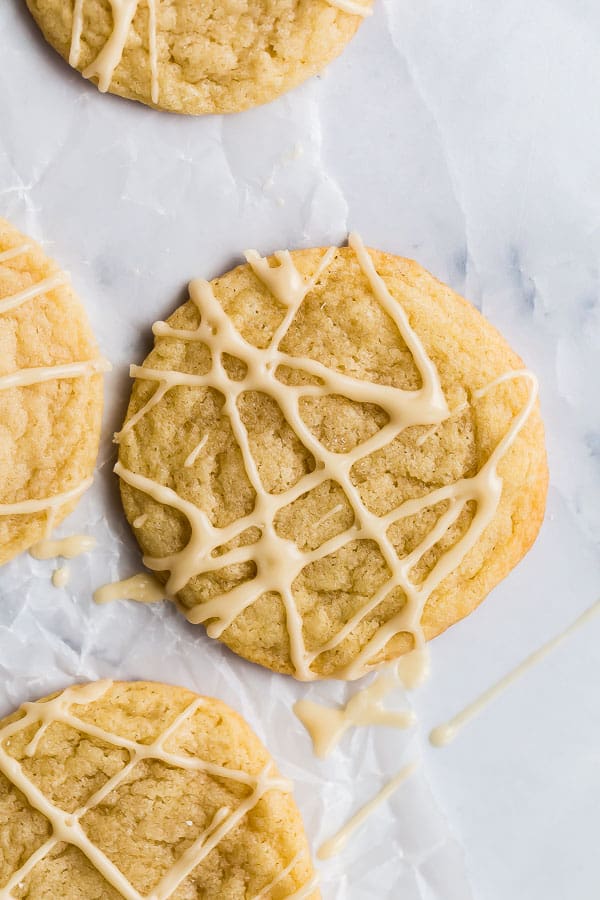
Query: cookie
[[329, 458], [195, 58], [144, 790], [50, 394]]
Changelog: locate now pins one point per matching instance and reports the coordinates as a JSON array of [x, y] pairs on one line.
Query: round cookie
[[199, 57], [141, 789], [50, 394], [330, 457]]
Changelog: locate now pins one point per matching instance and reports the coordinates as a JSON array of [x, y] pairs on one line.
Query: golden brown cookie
[[50, 394], [330, 457], [199, 57], [144, 790]]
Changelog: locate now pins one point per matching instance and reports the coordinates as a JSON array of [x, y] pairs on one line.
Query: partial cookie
[[330, 457], [50, 394], [199, 57], [140, 790]]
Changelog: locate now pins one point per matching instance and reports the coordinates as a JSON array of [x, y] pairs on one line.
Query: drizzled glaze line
[[446, 733], [339, 840], [143, 588], [47, 504], [14, 252], [327, 726], [42, 374], [352, 7], [423, 406], [66, 827], [41, 287], [68, 547]]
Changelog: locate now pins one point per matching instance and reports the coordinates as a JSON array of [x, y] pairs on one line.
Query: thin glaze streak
[[104, 65], [444, 734], [67, 828], [351, 6], [425, 406]]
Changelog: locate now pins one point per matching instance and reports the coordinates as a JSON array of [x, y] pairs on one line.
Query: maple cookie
[[50, 394], [144, 791], [330, 457], [199, 57]]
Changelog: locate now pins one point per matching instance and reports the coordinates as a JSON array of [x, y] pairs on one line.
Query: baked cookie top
[[50, 394], [199, 57], [144, 790], [330, 457]]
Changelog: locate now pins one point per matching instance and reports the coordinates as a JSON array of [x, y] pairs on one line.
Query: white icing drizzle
[[351, 6], [60, 577], [14, 252], [336, 843], [49, 505], [140, 520], [191, 459], [103, 67], [143, 588], [279, 561], [446, 733], [68, 547], [67, 828], [327, 726], [152, 35], [41, 374], [77, 28]]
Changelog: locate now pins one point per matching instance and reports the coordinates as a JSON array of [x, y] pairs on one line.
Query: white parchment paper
[[466, 135]]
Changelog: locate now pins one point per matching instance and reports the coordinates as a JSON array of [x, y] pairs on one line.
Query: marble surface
[[467, 136]]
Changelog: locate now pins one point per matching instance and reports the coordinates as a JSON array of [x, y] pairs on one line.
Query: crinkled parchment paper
[[467, 135]]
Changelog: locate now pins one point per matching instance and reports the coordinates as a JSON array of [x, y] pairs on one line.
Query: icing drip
[[42, 287], [68, 547], [351, 6], [143, 588], [49, 505], [336, 843], [278, 561], [67, 828], [141, 520], [327, 726], [60, 577], [191, 459], [14, 252], [446, 733], [104, 66]]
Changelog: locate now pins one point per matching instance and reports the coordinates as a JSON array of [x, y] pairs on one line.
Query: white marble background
[[467, 135]]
